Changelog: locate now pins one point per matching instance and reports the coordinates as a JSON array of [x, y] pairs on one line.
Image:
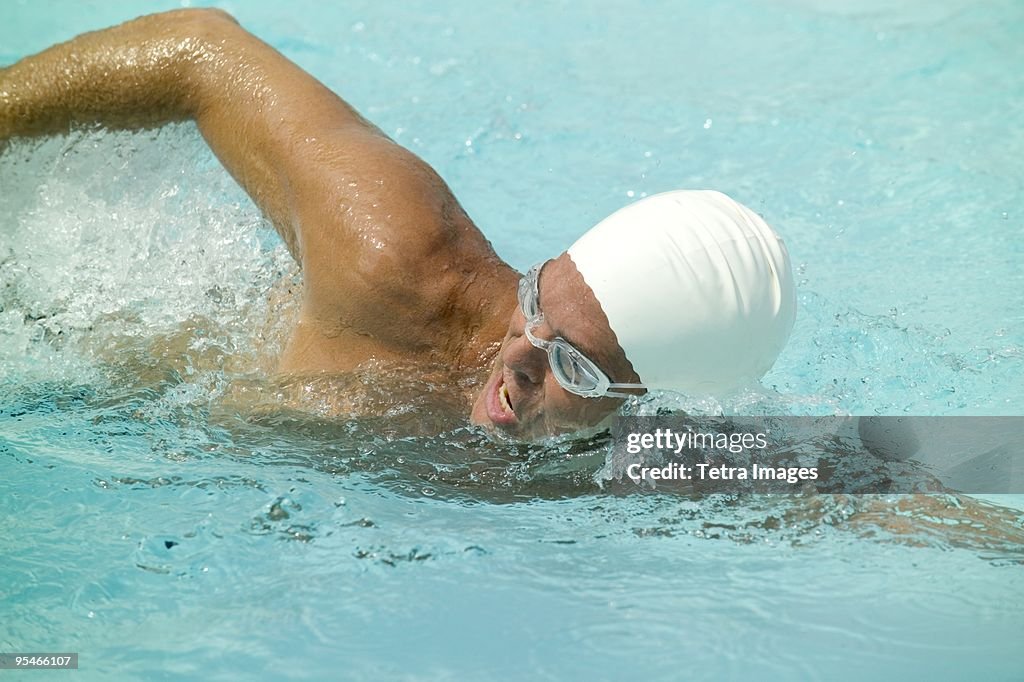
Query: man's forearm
[[301, 152], [136, 74], [146, 72]]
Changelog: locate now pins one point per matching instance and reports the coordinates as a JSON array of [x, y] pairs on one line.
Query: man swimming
[[688, 291]]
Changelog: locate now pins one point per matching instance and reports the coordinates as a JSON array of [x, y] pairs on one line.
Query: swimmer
[[687, 291]]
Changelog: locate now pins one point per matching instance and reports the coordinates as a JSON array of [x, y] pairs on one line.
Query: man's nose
[[526, 360]]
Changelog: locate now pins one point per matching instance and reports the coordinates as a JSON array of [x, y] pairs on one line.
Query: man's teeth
[[503, 394]]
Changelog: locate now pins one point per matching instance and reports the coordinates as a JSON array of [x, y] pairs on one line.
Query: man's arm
[[370, 223], [280, 132]]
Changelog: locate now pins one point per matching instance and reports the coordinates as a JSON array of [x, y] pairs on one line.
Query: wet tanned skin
[[393, 268]]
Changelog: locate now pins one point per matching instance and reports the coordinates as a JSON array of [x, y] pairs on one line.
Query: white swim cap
[[697, 288]]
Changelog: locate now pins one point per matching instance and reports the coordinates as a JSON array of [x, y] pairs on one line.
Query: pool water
[[155, 527]]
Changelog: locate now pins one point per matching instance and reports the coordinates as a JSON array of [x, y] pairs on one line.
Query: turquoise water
[[160, 531]]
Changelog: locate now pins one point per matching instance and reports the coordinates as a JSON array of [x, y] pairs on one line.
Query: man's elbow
[[183, 24], [198, 15], [194, 41]]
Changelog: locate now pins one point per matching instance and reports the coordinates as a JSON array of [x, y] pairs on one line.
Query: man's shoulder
[[386, 248]]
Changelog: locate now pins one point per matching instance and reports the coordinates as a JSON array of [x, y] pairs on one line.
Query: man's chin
[[478, 413]]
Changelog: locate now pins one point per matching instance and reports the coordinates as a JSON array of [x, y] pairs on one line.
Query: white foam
[[110, 235]]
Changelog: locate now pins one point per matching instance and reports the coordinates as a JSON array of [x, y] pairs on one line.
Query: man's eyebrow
[[558, 331]]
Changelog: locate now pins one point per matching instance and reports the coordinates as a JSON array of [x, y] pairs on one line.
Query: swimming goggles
[[573, 370]]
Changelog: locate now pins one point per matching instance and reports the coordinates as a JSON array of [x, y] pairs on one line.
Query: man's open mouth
[[500, 409]]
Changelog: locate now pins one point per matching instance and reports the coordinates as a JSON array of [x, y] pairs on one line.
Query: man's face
[[522, 397]]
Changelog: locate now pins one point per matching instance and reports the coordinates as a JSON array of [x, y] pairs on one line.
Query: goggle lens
[[574, 373]]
